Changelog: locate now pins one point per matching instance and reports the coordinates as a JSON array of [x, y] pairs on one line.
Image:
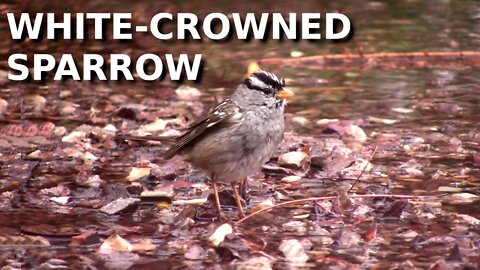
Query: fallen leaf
[[262, 205], [295, 160], [87, 238], [449, 189], [291, 179], [461, 198], [119, 205], [3, 106], [144, 245], [219, 235], [402, 110], [75, 137], [115, 243], [354, 133], [252, 67], [137, 173], [293, 251], [187, 93], [295, 54], [190, 202], [371, 233], [381, 120], [162, 191], [157, 125]]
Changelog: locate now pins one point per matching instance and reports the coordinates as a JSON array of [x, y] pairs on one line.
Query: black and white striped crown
[[263, 80]]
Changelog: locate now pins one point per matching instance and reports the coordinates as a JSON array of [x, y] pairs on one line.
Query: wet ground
[[61, 163]]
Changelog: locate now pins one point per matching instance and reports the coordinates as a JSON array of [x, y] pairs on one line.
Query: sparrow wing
[[225, 113]]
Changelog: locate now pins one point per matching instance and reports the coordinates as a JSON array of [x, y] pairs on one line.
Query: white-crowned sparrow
[[239, 135]]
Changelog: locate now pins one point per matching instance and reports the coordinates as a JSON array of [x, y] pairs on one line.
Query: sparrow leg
[[244, 188], [237, 199], [217, 200]]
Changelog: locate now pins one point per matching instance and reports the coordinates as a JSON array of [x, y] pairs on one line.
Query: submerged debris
[[293, 251]]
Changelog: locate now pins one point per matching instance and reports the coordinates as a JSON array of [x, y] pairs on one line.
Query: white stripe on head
[[257, 82], [271, 75]]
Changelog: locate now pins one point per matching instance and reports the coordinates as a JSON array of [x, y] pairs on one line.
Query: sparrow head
[[269, 84]]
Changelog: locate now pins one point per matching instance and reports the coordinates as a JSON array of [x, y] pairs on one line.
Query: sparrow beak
[[285, 94]]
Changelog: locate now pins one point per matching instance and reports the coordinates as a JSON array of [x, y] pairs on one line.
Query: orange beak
[[285, 94]]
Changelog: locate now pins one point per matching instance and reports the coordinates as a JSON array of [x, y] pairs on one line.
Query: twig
[[372, 55], [364, 168], [329, 198], [385, 60]]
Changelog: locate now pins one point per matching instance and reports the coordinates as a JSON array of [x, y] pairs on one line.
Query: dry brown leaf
[[144, 245], [252, 67], [137, 173], [219, 235]]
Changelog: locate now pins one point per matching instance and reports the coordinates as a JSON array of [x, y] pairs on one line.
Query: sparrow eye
[[267, 91], [265, 82]]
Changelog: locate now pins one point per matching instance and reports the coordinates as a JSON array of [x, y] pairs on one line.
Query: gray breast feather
[[233, 153]]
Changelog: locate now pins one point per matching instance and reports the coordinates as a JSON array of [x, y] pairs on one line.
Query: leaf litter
[[374, 191], [132, 192]]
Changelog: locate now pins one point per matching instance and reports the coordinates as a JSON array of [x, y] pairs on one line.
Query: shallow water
[[438, 105]]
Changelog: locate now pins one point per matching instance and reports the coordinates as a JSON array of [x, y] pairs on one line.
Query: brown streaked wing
[[219, 115]]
